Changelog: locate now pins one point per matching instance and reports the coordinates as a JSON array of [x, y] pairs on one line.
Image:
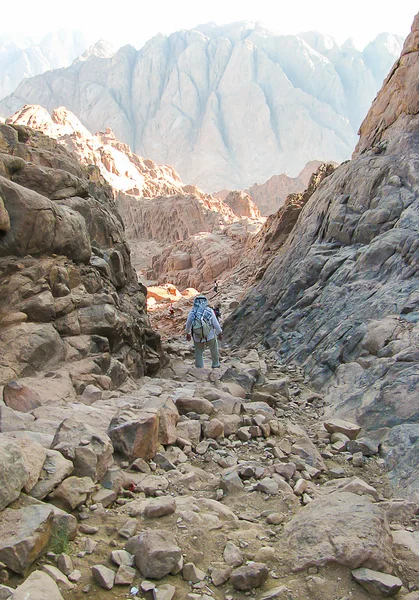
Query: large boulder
[[54, 470], [24, 535], [13, 475], [91, 452], [38, 586], [341, 528], [155, 555]]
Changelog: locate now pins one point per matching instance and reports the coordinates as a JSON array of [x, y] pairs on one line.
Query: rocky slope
[[69, 292], [198, 484], [226, 106], [341, 296]]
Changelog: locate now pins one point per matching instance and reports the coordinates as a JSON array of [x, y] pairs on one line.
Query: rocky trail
[[224, 483]]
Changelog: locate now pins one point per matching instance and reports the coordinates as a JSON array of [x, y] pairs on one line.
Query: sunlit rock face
[[341, 296], [226, 106]]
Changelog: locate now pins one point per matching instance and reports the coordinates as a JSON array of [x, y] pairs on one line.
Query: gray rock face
[[342, 296], [214, 96]]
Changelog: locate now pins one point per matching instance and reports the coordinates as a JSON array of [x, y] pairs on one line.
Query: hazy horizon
[[359, 21]]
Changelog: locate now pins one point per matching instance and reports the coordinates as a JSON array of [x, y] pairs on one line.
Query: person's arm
[[189, 326], [216, 324]]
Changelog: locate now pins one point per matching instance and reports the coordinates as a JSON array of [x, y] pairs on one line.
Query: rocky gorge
[[290, 471]]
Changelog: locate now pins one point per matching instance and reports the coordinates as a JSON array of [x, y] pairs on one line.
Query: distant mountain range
[[227, 106]]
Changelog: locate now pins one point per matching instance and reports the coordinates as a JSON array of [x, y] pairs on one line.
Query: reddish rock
[[20, 397]]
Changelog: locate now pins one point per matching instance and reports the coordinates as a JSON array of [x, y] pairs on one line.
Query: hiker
[[215, 288], [204, 327], [171, 311], [217, 312]]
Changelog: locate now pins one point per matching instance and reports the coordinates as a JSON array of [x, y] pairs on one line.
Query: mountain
[[226, 106], [271, 195], [24, 58], [341, 295]]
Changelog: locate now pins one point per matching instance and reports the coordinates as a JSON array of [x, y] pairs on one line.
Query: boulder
[[376, 583], [13, 475], [155, 555], [249, 576], [159, 507], [341, 528], [340, 426], [200, 406], [38, 586], [72, 492], [135, 434], [24, 535], [34, 456], [104, 576], [90, 451], [20, 397], [54, 470]]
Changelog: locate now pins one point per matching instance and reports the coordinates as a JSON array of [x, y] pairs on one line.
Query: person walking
[[203, 327], [215, 288]]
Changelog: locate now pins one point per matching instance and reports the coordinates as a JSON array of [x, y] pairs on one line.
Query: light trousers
[[199, 352]]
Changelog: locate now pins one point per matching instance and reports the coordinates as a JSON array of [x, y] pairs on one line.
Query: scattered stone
[[38, 586], [232, 555], [128, 529], [159, 507], [140, 465], [231, 482], [73, 492], [164, 592], [104, 576], [54, 470], [340, 426], [220, 574], [358, 460], [125, 575], [191, 573], [65, 563], [155, 555], [267, 485], [60, 579], [88, 529], [74, 576], [122, 557], [104, 497], [336, 472], [376, 583], [249, 576]]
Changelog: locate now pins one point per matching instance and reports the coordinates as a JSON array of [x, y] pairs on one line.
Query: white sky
[[136, 21]]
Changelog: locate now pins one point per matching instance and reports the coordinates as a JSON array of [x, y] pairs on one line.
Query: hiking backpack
[[201, 324]]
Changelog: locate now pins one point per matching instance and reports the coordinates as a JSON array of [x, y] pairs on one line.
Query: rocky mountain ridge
[[226, 106], [340, 297]]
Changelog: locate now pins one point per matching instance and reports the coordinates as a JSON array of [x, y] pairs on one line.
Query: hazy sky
[[136, 21]]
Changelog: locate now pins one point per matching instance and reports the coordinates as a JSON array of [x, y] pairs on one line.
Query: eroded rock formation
[[341, 297], [68, 288]]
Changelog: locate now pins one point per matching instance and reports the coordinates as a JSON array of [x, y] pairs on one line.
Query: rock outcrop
[[69, 289], [156, 207], [226, 106], [341, 296]]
